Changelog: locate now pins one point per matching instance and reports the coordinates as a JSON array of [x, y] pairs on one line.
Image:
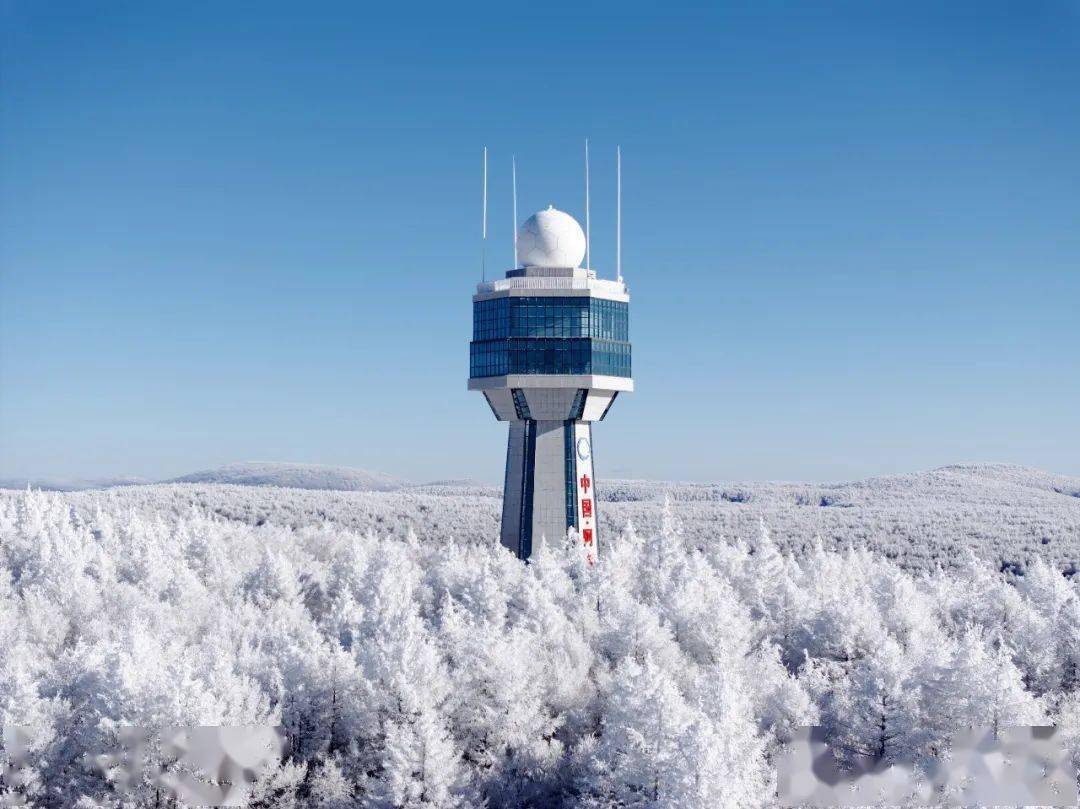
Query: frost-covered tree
[[639, 760], [725, 761], [973, 683], [1048, 642], [411, 661], [873, 712], [421, 765]]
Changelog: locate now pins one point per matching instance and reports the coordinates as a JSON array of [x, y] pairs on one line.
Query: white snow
[[414, 662], [1007, 515]]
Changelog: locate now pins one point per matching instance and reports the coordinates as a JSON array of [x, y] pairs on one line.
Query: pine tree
[[421, 766], [1048, 642], [725, 753], [873, 713], [645, 720], [330, 789]]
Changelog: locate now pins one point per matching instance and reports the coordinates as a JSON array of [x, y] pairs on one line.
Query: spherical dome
[[550, 238]]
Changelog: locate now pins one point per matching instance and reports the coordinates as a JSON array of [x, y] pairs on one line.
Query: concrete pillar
[[548, 487]]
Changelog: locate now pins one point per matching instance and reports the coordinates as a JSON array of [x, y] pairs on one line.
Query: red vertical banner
[[586, 492]]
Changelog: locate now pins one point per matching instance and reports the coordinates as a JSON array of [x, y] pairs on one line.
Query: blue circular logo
[[583, 449]]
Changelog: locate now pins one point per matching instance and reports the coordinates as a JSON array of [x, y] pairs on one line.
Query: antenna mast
[[588, 239], [513, 180], [483, 226], [618, 213]]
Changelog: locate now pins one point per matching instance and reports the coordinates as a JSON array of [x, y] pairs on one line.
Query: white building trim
[[620, 383]]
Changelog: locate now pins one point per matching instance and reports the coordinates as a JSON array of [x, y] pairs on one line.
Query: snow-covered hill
[[1007, 515], [297, 476]]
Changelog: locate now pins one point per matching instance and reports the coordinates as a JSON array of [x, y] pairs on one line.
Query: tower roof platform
[[553, 281]]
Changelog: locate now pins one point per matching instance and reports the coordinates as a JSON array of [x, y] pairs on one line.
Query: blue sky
[[250, 231]]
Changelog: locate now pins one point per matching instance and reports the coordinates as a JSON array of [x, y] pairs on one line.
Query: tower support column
[[548, 487]]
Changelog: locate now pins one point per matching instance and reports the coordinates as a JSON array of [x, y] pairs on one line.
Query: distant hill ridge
[[931, 483], [297, 476], [1007, 514], [69, 484]]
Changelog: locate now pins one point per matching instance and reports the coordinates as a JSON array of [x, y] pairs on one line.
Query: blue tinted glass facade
[[540, 355], [570, 471], [550, 335], [551, 317]]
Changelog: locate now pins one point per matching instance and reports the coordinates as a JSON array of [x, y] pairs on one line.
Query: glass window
[[550, 317], [521, 355], [550, 335]]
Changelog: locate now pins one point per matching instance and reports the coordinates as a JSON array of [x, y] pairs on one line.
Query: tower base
[[549, 487]]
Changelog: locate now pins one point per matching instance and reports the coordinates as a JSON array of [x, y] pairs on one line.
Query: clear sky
[[250, 231]]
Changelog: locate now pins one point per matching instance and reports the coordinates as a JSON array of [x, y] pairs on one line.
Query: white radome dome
[[550, 238]]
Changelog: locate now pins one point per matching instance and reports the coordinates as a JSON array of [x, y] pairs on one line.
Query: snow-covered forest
[[414, 662]]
